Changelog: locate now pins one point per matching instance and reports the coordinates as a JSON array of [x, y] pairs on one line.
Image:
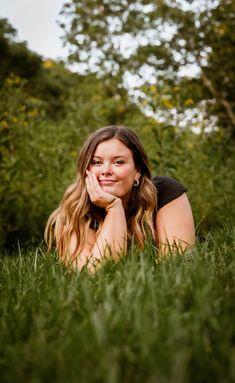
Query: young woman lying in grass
[[115, 201]]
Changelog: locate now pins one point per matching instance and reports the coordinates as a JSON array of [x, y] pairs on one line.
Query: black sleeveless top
[[168, 189]]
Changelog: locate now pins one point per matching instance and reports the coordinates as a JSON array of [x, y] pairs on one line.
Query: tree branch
[[219, 98]]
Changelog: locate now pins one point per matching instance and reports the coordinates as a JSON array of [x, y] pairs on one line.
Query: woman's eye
[[95, 162], [119, 162]]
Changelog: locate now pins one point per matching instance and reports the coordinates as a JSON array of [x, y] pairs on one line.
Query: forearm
[[111, 240]]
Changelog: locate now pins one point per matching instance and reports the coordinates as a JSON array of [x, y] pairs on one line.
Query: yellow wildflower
[[167, 103], [190, 145], [153, 88], [4, 124], [14, 120], [188, 102], [176, 89], [48, 64], [33, 112], [13, 80]]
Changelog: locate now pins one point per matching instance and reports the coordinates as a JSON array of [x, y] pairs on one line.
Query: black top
[[167, 190]]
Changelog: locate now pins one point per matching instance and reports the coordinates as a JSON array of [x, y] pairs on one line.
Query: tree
[[162, 39], [15, 56], [47, 80]]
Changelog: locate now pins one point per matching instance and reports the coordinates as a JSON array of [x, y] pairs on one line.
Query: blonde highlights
[[76, 213]]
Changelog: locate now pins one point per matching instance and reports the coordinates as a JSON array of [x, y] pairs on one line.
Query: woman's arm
[[111, 238], [175, 226]]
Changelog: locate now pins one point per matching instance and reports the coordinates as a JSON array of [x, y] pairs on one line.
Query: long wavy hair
[[76, 213]]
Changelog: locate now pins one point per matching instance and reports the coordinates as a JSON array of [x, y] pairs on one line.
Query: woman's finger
[[89, 186], [95, 184], [93, 188], [97, 195]]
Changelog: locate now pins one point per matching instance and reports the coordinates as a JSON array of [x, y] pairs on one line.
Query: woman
[[114, 201]]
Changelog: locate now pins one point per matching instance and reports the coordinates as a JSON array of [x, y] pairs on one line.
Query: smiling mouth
[[107, 182]]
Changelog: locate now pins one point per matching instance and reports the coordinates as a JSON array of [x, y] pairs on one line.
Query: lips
[[107, 182]]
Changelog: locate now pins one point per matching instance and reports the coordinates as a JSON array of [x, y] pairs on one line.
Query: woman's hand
[[97, 195], [111, 238]]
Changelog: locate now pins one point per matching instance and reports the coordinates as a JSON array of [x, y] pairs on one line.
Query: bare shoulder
[[174, 223]]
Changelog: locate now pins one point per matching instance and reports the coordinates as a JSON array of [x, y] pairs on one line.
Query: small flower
[[4, 124], [153, 88], [176, 89], [188, 102], [48, 64], [167, 103], [190, 145], [14, 120]]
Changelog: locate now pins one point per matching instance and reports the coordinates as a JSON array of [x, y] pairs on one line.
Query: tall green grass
[[142, 320]]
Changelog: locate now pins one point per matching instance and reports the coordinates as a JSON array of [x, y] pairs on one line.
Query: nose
[[106, 168]]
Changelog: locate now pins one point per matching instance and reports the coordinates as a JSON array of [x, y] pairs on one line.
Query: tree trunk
[[219, 98]]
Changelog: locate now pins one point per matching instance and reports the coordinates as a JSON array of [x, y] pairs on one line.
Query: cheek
[[93, 169], [127, 173], [127, 176]]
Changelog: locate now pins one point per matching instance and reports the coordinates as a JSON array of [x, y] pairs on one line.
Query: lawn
[[145, 319]]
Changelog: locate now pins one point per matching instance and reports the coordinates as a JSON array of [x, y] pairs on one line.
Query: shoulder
[[168, 189]]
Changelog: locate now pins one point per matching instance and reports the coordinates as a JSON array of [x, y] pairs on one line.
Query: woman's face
[[114, 167]]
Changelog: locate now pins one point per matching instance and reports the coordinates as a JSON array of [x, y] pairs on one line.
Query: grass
[[141, 320]]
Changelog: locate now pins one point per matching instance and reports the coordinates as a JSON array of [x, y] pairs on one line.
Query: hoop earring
[[136, 183]]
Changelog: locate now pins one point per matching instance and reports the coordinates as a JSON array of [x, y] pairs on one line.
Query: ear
[[137, 175]]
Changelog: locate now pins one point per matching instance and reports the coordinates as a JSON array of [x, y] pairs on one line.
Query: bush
[[33, 156], [38, 156]]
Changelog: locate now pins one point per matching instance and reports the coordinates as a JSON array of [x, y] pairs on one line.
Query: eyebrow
[[121, 155]]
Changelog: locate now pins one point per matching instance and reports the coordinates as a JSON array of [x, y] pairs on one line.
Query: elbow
[[177, 244]]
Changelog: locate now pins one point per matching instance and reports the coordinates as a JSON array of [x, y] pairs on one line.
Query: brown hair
[[76, 213]]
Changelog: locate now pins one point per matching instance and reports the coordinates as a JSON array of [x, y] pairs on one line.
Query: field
[[144, 319]]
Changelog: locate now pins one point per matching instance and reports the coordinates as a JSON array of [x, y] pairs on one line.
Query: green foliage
[[38, 156], [95, 102], [160, 42], [48, 81], [141, 320], [212, 43], [16, 57], [28, 164], [208, 171], [204, 163], [52, 85]]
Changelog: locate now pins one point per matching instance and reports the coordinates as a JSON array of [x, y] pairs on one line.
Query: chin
[[111, 190]]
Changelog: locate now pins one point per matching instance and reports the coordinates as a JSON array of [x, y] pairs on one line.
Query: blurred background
[[163, 68]]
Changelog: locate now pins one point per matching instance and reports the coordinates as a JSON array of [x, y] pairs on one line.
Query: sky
[[35, 22]]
